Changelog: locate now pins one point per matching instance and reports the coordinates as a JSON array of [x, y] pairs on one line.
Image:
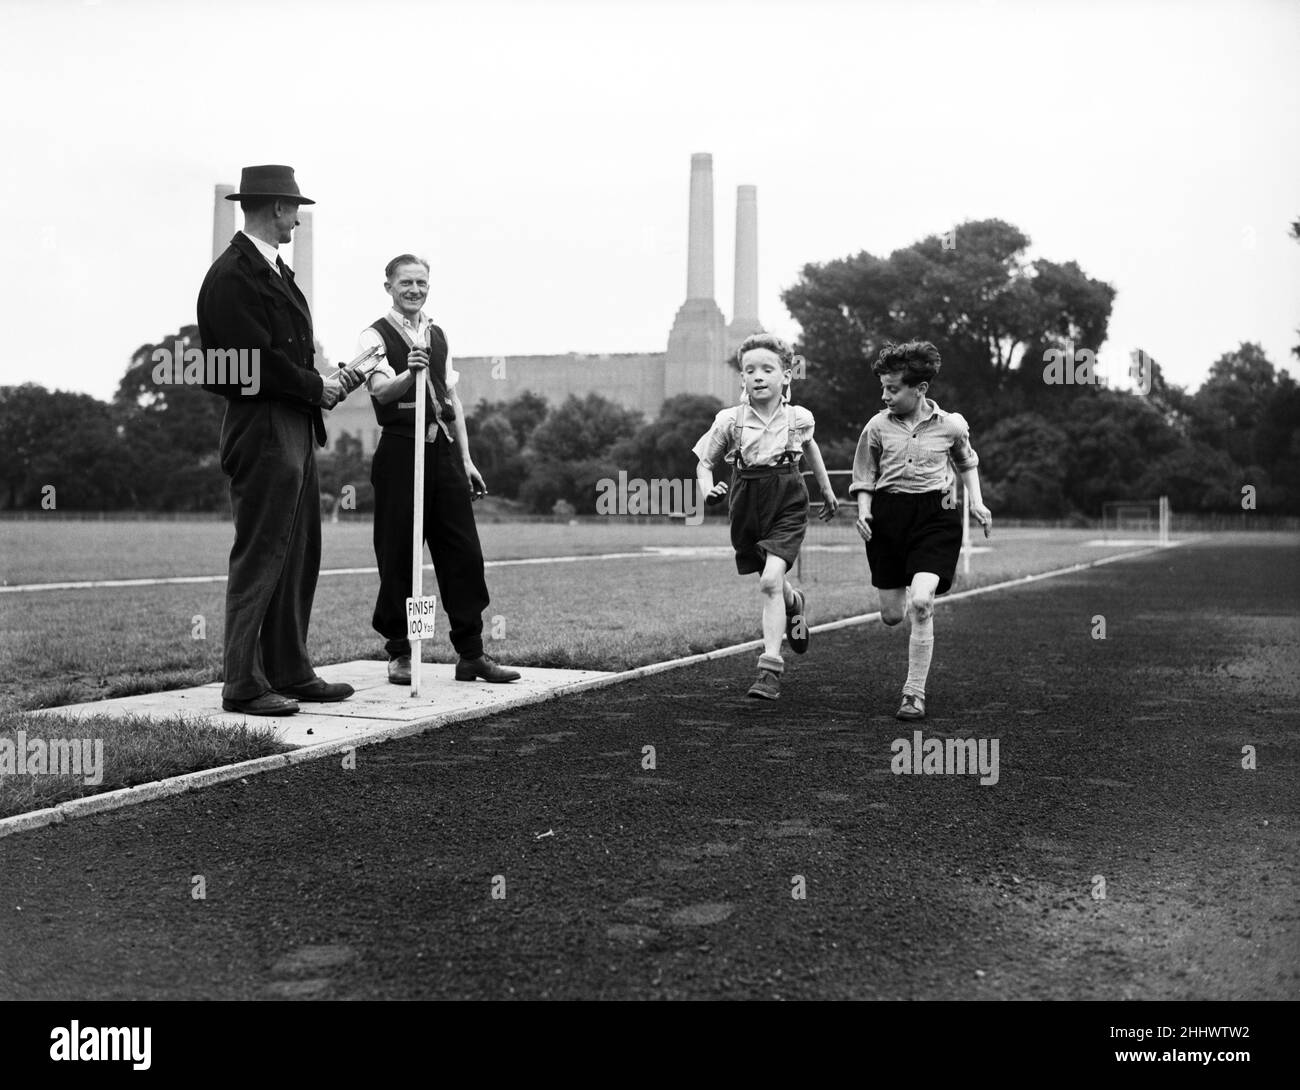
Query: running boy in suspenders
[[762, 438], [906, 515]]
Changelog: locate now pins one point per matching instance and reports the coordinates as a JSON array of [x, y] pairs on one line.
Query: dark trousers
[[449, 531], [269, 453]]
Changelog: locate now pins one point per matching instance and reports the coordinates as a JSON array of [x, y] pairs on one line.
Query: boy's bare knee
[[922, 608], [770, 584], [890, 618]]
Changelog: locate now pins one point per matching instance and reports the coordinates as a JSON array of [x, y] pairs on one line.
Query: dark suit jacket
[[245, 304]]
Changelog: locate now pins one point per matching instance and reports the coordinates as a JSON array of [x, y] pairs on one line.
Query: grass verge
[[121, 752]]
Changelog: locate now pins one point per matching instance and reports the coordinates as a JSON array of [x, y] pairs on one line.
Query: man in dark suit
[[272, 425]]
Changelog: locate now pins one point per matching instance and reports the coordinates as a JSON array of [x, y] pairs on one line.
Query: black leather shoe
[[269, 703], [318, 691], [399, 670], [485, 668]]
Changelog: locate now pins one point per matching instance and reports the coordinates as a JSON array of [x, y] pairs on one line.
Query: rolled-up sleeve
[[963, 454], [712, 445], [369, 339], [866, 461]]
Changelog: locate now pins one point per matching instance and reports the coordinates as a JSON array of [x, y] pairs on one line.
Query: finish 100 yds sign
[[419, 618]]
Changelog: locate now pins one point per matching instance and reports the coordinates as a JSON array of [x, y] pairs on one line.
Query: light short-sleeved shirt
[[895, 457], [417, 332], [762, 442]]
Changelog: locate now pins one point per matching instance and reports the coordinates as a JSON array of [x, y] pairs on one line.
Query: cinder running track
[[1119, 760]]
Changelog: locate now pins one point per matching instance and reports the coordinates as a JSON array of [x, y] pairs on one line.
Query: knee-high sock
[[920, 646]]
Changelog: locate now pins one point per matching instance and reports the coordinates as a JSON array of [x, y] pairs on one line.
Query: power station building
[[700, 343]]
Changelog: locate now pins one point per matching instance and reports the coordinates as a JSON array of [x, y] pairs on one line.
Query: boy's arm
[[708, 448], [967, 463], [866, 471], [813, 453], [971, 479]]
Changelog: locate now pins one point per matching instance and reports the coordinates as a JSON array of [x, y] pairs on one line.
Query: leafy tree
[[171, 430], [1195, 477], [983, 304], [525, 413], [1023, 466], [498, 432], [1233, 401], [662, 449], [496, 453], [582, 428], [571, 450], [68, 440], [1113, 437], [344, 466]]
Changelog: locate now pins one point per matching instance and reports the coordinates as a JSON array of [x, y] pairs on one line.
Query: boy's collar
[[780, 404], [929, 408]]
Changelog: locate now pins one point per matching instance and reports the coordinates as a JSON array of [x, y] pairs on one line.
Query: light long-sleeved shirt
[[894, 457]]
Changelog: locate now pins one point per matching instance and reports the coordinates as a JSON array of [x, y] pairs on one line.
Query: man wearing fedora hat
[[269, 434]]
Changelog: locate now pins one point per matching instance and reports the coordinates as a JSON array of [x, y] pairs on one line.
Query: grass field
[[67, 646]]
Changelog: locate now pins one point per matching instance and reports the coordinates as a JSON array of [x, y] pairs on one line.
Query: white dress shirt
[[266, 250]]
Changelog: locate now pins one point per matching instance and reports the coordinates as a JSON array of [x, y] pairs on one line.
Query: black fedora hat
[[268, 181]]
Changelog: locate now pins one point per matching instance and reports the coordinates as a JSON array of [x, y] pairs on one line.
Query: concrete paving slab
[[375, 707]]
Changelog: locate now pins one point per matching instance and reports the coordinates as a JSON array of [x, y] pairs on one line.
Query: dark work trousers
[[449, 531], [269, 453]]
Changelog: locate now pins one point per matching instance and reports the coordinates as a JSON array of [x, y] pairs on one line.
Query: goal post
[[1137, 519]]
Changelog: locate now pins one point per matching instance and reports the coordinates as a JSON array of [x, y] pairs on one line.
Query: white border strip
[[191, 781], [164, 581]]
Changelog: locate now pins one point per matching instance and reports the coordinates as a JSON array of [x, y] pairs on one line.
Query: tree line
[[1017, 337]]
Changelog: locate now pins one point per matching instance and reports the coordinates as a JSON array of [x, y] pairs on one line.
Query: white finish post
[[965, 532], [417, 536]]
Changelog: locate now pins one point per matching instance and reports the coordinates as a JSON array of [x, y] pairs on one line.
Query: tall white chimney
[[223, 220]]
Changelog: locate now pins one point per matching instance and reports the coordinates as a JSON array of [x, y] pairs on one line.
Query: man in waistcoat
[[451, 482], [250, 304]]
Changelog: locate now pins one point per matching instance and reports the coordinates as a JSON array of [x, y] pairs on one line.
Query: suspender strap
[[789, 456]]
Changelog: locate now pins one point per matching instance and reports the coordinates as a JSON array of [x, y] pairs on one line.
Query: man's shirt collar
[[402, 322], [265, 249]]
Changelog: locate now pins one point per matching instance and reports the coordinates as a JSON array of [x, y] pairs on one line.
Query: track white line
[[176, 785], [163, 581]]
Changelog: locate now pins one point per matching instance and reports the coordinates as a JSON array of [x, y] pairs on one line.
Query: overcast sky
[[539, 154]]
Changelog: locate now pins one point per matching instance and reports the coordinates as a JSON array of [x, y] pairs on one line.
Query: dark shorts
[[910, 533], [769, 514]]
